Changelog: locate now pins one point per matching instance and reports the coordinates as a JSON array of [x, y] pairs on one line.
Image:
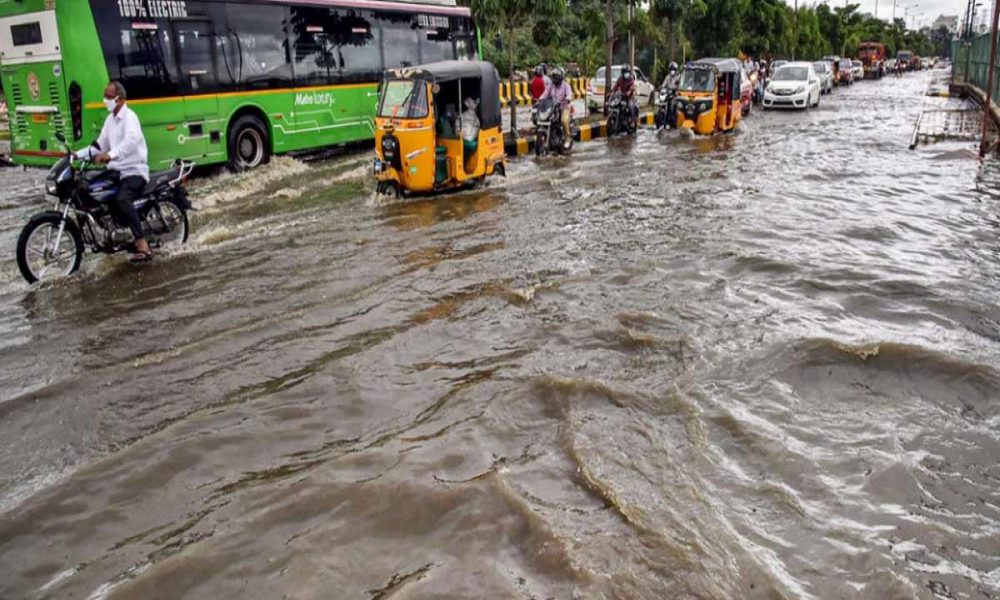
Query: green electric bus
[[214, 81]]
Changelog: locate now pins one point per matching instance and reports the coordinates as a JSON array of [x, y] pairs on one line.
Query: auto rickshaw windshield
[[697, 80], [404, 99]]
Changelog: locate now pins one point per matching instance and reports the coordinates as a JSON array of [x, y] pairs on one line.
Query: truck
[[872, 57]]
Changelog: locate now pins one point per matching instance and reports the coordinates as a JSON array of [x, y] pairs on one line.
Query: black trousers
[[130, 188]]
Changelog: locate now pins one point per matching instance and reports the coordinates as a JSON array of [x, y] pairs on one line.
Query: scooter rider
[[561, 93], [122, 147], [626, 85], [673, 79], [539, 83]]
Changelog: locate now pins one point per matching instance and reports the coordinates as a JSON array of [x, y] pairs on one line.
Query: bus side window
[[435, 40], [334, 46], [140, 55], [358, 42], [256, 46], [400, 47]]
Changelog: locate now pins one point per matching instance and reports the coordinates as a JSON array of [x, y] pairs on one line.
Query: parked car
[[793, 85], [824, 71], [858, 69], [644, 90], [846, 69]]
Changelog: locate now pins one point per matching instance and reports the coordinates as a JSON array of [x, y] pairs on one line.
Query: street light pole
[[988, 105]]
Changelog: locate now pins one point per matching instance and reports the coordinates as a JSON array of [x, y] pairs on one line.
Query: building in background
[[949, 22]]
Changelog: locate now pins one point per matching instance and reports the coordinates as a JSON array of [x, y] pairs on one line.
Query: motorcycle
[[53, 241], [620, 117], [666, 112], [549, 137]]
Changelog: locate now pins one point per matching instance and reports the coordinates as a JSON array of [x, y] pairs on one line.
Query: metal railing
[[971, 63]]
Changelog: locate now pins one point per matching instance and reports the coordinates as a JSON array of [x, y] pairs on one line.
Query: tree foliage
[[525, 32]]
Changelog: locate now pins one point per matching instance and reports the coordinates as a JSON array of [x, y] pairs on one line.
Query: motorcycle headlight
[[50, 187]]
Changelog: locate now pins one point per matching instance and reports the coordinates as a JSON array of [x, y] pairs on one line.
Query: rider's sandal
[[141, 257]]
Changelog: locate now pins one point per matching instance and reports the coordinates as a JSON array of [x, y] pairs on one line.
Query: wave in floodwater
[[754, 366]]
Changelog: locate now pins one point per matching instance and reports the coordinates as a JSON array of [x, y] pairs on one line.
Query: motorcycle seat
[[160, 178]]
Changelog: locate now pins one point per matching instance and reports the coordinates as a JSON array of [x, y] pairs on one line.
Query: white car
[[824, 70], [644, 90], [793, 85], [858, 69]]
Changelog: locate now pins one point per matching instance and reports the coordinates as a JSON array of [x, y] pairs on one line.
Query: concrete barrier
[[505, 96], [519, 92], [585, 133]]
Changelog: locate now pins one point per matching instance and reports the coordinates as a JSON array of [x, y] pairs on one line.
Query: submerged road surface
[[757, 366]]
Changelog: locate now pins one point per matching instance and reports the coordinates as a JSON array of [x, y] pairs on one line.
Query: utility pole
[[988, 105], [631, 35], [796, 46]]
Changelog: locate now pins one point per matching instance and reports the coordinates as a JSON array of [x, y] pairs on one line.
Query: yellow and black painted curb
[[585, 132], [518, 92]]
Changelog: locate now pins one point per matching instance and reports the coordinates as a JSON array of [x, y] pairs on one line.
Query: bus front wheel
[[248, 144]]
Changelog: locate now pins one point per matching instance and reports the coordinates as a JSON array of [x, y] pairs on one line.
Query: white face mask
[[109, 103]]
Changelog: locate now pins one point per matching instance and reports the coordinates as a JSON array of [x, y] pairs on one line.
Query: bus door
[[199, 84]]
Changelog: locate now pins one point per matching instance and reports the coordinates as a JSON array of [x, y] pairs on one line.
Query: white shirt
[[121, 137], [470, 125]]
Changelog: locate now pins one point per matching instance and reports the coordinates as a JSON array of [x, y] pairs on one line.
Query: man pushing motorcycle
[[122, 147]]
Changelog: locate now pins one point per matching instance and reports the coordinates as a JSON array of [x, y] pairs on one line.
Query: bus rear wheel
[[248, 144]]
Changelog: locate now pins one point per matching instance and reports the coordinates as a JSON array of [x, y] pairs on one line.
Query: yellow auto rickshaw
[[708, 99], [438, 127]]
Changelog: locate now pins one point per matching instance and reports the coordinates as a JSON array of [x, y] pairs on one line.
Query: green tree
[[714, 26], [768, 29], [507, 17], [671, 14]]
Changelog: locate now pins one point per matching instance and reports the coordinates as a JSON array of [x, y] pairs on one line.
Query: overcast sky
[[928, 9]]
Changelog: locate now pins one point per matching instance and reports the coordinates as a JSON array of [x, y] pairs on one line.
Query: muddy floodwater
[[758, 366]]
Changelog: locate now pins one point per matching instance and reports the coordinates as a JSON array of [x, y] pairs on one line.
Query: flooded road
[[758, 366]]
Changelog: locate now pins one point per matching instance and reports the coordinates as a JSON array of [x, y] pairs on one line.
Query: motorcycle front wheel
[[44, 254]]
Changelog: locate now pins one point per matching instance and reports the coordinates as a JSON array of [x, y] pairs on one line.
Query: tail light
[[76, 110]]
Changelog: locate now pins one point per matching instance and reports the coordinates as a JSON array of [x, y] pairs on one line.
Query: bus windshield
[[698, 80], [404, 99]]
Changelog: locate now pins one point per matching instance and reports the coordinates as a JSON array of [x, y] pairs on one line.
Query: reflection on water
[[760, 365]]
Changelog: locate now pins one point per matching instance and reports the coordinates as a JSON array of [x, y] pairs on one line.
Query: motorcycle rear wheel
[[171, 221], [38, 257]]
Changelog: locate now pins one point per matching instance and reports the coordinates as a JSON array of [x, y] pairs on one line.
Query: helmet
[[557, 76], [672, 68], [539, 70]]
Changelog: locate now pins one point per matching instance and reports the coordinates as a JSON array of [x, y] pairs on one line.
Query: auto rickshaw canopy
[[457, 70], [722, 65]]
